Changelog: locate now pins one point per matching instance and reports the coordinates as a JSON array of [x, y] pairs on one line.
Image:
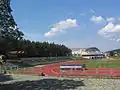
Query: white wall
[[84, 52]]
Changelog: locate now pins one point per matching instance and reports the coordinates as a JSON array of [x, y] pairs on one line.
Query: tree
[[43, 49], [8, 27]]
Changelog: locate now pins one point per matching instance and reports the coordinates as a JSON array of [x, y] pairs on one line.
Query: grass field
[[103, 64]]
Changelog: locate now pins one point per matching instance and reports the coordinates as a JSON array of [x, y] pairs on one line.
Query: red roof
[[16, 52]]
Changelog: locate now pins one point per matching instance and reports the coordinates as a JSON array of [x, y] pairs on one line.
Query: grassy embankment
[[31, 62]]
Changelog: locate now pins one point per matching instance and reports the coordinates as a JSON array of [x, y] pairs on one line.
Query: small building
[[15, 54], [107, 54]]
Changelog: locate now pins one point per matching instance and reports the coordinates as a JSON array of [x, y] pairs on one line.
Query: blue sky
[[75, 23]]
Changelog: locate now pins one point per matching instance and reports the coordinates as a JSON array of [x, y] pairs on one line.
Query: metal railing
[[95, 73]]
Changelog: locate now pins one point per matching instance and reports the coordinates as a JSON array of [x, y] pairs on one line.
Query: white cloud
[[100, 19], [97, 19], [61, 27], [111, 31], [111, 19]]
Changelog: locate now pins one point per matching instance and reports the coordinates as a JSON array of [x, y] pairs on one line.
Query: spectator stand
[[65, 69]]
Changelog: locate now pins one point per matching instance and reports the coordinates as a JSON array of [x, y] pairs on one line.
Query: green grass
[[103, 64], [116, 57]]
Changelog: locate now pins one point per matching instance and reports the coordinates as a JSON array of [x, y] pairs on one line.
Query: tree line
[[11, 38], [35, 49]]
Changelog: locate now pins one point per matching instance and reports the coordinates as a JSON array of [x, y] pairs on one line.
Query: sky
[[74, 23]]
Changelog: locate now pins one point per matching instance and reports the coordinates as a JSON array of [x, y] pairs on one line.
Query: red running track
[[53, 70]]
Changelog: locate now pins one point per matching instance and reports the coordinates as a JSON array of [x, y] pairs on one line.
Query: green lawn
[[103, 64], [116, 57]]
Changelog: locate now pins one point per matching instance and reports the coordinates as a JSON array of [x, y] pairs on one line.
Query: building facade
[[88, 53]]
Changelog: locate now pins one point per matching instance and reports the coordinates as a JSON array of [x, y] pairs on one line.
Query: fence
[[36, 71], [93, 73], [91, 76]]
